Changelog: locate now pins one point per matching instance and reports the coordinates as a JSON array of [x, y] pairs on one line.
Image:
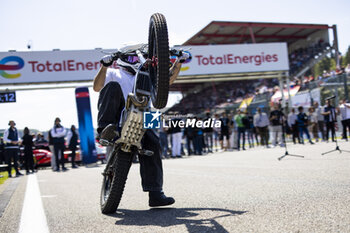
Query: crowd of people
[[260, 129], [223, 93], [268, 129], [299, 57], [18, 150], [226, 93]]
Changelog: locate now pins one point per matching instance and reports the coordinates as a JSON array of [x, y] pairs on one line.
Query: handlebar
[[172, 52]]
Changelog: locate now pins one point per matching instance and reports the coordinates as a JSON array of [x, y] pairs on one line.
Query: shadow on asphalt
[[195, 219]]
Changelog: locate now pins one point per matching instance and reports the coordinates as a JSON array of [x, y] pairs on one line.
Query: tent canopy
[[225, 32]]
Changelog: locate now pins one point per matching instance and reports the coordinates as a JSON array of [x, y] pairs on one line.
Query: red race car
[[42, 154]]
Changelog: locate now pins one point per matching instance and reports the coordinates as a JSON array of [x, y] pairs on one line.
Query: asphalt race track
[[248, 191]]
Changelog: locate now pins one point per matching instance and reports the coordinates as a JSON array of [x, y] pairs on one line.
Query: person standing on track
[[345, 118], [276, 118], [176, 136], [302, 122], [239, 119], [11, 141], [72, 139], [52, 150], [225, 131], [216, 133], [2, 151], [292, 123], [330, 118], [208, 135], [320, 120], [28, 150], [261, 122], [313, 123], [58, 133]]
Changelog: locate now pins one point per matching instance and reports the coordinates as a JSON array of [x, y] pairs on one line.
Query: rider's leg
[[110, 105], [151, 167], [151, 170]]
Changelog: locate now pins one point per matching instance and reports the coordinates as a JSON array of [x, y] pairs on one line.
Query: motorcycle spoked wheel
[[113, 184], [158, 52]]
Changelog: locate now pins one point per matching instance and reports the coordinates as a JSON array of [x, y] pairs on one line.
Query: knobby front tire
[[113, 185], [158, 50]]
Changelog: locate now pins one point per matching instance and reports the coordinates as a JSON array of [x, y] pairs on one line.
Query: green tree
[[346, 58], [326, 64]]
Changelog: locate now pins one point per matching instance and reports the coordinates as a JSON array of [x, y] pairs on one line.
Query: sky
[[87, 24]]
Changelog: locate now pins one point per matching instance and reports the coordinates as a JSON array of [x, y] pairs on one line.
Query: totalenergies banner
[[49, 66], [82, 65], [221, 59]]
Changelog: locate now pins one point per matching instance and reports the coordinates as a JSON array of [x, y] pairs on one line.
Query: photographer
[[302, 122]]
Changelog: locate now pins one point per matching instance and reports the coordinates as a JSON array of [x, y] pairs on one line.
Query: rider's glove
[[184, 56], [107, 60]]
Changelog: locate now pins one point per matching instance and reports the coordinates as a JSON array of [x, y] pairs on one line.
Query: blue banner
[[86, 129]]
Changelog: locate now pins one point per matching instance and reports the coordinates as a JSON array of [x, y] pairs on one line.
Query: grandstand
[[307, 44]]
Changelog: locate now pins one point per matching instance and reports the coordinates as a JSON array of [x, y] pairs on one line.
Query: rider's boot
[[109, 133], [157, 198]]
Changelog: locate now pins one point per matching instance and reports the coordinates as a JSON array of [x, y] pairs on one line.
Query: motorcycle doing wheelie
[[151, 84]]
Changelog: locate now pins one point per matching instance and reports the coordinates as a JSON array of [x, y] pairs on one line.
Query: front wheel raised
[[158, 51]]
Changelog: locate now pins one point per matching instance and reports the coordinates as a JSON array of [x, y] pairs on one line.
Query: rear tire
[[158, 51], [113, 184]]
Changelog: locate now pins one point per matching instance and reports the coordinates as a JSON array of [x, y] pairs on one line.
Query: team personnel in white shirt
[[292, 118], [261, 123], [345, 117], [320, 120], [58, 132]]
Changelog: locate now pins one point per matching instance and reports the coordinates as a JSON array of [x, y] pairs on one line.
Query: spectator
[[320, 119], [345, 118], [276, 119], [233, 132], [249, 126], [28, 150], [330, 117], [52, 150], [2, 151], [189, 134], [292, 123], [72, 138], [313, 123], [40, 138], [208, 135], [302, 122], [225, 132], [58, 132], [240, 128], [261, 123], [347, 69], [40, 142], [12, 148], [176, 139], [216, 132], [198, 140], [163, 140]]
